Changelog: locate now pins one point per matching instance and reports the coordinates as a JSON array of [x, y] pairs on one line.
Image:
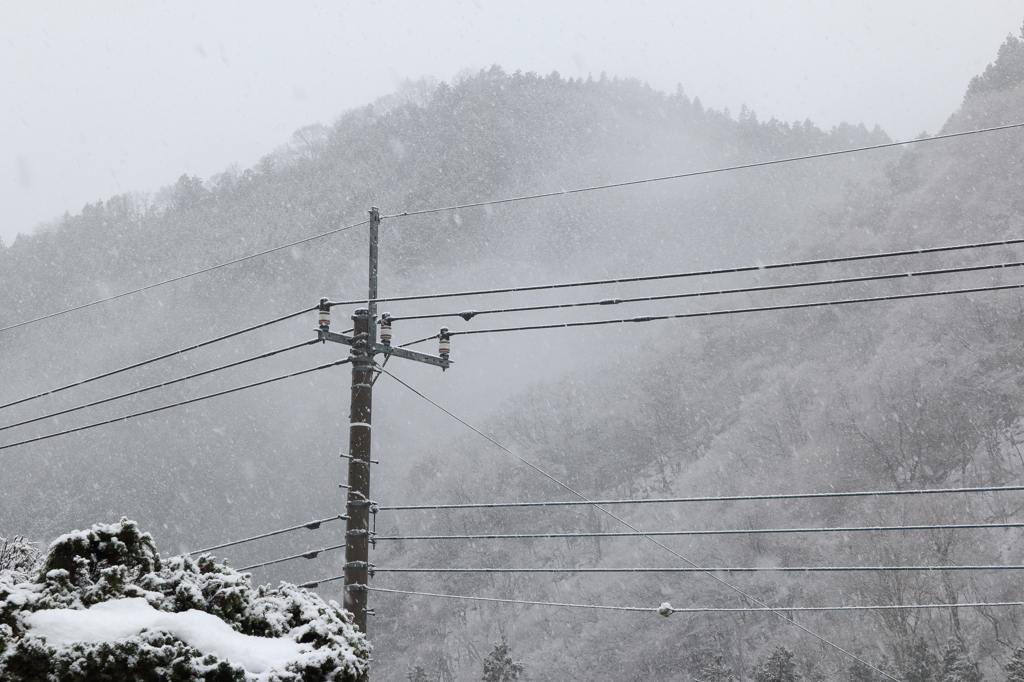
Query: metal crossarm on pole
[[387, 349]]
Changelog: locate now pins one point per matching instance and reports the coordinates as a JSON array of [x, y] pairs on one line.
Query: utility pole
[[364, 345]]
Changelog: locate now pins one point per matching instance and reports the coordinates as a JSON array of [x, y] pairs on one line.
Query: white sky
[[99, 98]]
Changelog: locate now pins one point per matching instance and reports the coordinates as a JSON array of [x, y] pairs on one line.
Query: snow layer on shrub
[[103, 602], [123, 618]]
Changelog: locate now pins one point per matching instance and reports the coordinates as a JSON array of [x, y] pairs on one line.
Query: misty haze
[[784, 335]]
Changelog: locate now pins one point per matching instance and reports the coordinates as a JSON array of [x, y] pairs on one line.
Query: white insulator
[[385, 333], [325, 318], [444, 346]]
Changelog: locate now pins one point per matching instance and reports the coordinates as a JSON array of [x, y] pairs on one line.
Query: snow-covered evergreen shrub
[[716, 671], [1015, 668], [861, 672], [499, 666], [18, 555], [922, 665], [417, 673], [957, 664], [778, 667], [103, 605]]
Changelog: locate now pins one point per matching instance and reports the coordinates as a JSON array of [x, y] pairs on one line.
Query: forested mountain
[[894, 395]]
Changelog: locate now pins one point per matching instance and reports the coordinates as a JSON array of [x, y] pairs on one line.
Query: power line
[[694, 609], [470, 314], [161, 385], [505, 601], [678, 176], [309, 525], [700, 569], [737, 531], [694, 273], [185, 276], [504, 201], [178, 404], [736, 311], [161, 357], [510, 200], [694, 566], [311, 554], [710, 498]]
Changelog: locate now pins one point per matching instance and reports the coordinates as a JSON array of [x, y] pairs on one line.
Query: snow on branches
[[103, 600]]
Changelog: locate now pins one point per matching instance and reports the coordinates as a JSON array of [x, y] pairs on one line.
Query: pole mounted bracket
[[370, 461], [358, 533], [364, 565], [443, 362], [328, 335], [358, 564], [359, 342], [355, 587]]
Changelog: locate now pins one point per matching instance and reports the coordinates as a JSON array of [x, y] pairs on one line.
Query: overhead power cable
[[692, 273], [711, 171], [517, 199], [309, 525], [161, 357], [694, 567], [701, 569], [694, 609], [470, 314], [314, 553], [505, 601], [178, 404], [711, 498], [311, 554], [185, 276], [736, 311], [161, 385], [727, 531]]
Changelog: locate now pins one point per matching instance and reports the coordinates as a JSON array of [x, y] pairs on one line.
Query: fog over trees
[[903, 394]]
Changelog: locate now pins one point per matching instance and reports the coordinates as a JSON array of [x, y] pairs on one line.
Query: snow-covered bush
[[778, 667], [499, 666], [18, 555], [957, 665], [102, 604], [1015, 668]]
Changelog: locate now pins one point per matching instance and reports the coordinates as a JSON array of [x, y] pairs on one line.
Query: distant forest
[[899, 395]]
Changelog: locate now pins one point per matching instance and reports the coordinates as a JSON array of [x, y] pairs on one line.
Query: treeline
[[881, 396], [952, 663], [490, 135], [873, 397]]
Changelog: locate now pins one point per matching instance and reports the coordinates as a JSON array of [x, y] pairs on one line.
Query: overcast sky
[[100, 98]]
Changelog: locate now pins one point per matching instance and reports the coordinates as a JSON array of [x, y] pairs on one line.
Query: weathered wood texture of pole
[[357, 532]]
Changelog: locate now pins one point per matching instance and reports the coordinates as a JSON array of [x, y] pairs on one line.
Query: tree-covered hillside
[[416, 150], [895, 395]]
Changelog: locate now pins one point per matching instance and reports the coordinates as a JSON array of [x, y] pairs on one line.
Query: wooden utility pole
[[359, 505], [357, 529]]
